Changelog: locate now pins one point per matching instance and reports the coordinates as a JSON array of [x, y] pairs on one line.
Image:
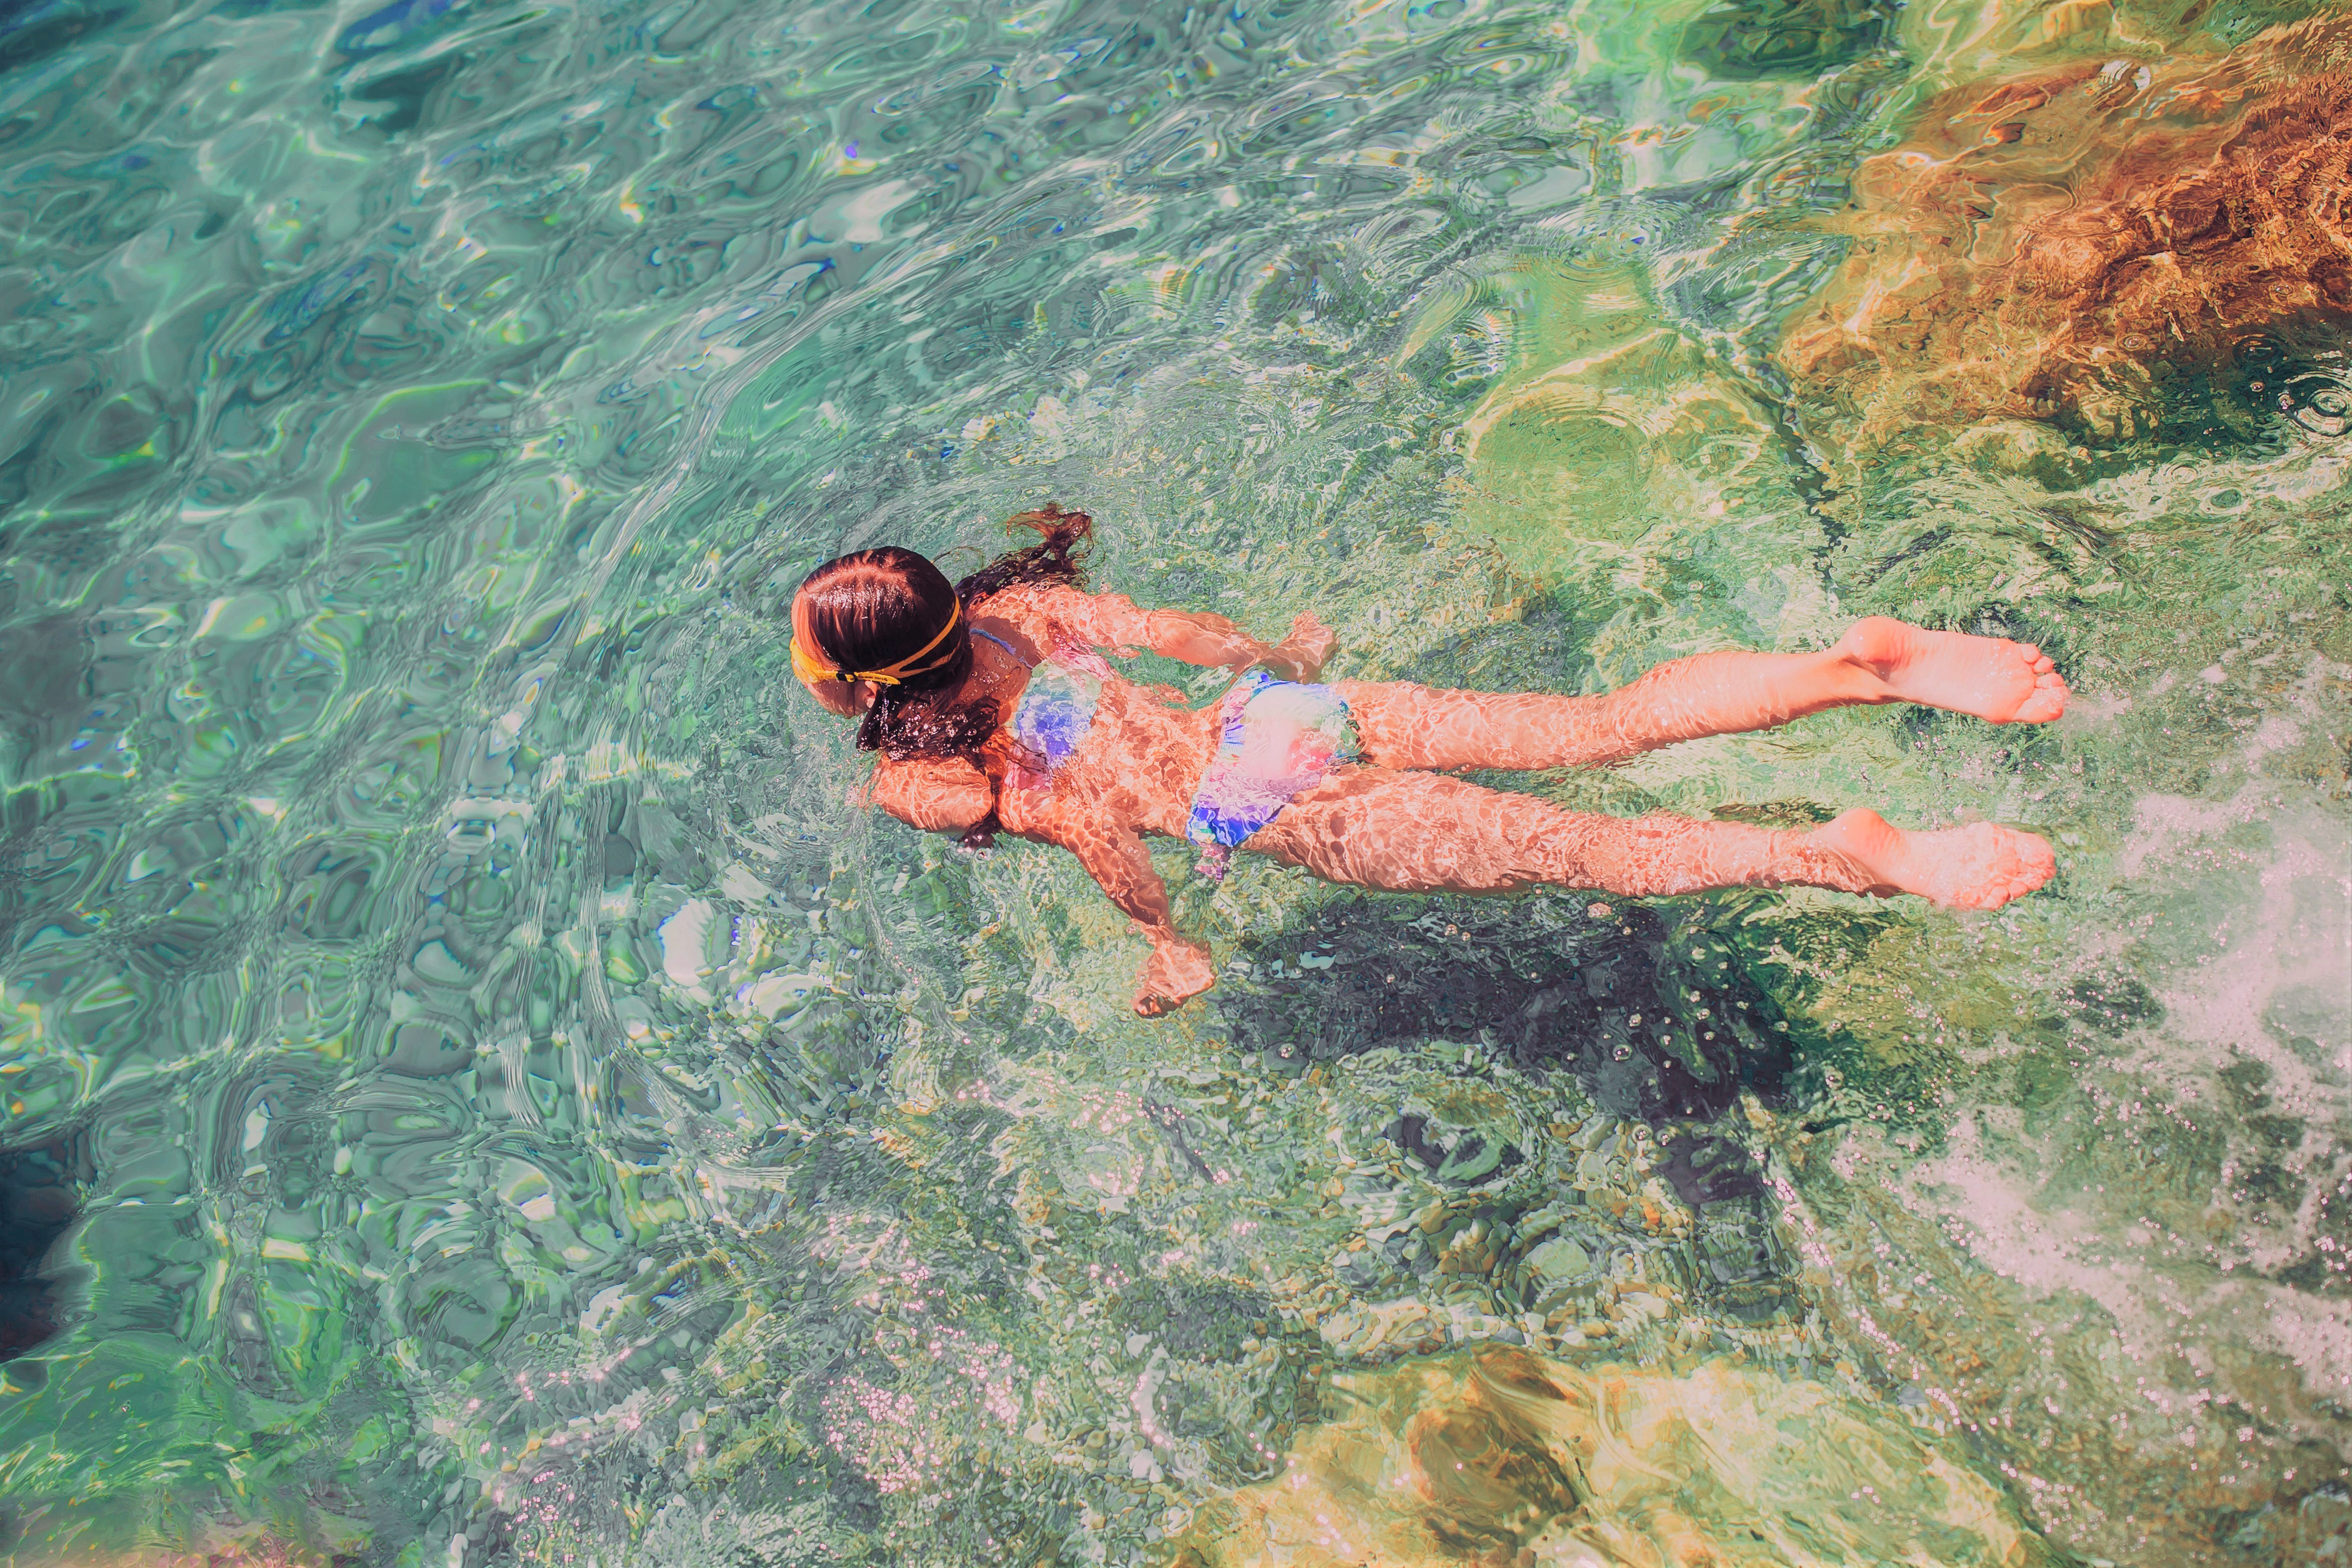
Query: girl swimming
[[992, 708]]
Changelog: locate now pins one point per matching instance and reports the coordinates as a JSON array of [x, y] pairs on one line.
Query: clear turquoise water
[[513, 1105]]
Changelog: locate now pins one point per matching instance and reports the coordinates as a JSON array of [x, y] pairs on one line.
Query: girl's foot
[[1991, 677], [1980, 866]]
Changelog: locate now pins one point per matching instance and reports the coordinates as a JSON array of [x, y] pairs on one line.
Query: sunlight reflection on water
[[472, 1087]]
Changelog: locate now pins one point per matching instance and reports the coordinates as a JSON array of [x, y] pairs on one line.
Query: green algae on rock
[[1496, 1455]]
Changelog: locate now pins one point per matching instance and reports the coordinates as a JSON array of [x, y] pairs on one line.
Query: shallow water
[[475, 1089]]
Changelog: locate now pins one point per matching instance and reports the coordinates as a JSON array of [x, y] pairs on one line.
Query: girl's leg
[[1878, 661], [1416, 832]]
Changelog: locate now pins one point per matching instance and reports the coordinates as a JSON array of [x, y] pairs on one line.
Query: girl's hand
[[1301, 655], [1176, 972]]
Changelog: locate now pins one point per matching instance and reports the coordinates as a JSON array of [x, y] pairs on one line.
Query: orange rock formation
[[2059, 246]]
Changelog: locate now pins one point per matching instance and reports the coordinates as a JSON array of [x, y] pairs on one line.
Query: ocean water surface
[[474, 1088]]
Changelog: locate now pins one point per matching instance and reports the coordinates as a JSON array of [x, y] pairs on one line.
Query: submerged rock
[[2108, 249], [1502, 1456], [1740, 39], [1613, 441], [1600, 420], [40, 1196]]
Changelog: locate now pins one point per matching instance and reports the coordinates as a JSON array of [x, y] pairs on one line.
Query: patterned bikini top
[[1056, 711]]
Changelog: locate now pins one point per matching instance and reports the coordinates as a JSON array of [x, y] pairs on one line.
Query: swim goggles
[[810, 668]]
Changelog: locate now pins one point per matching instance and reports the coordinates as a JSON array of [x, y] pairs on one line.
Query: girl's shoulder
[[1061, 614], [1044, 613], [1033, 600]]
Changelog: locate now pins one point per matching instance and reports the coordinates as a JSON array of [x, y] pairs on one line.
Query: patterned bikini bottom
[[1280, 739]]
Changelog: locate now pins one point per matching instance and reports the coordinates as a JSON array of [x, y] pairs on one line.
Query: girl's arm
[[948, 795], [1195, 637], [1113, 855], [939, 795]]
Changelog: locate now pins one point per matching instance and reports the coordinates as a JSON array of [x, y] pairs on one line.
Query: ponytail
[[1055, 558]]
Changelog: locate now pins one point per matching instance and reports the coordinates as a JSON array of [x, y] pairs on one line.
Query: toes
[[2042, 706], [2000, 867], [2045, 702], [2028, 651], [2031, 863]]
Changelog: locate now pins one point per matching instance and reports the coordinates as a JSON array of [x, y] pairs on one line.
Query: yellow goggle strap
[[808, 667]]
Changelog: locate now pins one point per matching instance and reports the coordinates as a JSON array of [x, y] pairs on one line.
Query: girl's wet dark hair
[[1062, 538], [870, 609]]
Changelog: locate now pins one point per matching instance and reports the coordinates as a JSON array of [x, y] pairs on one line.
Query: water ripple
[[493, 1061]]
